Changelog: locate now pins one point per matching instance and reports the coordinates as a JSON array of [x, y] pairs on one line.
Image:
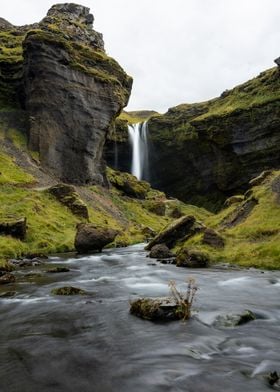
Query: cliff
[[203, 153], [56, 78]]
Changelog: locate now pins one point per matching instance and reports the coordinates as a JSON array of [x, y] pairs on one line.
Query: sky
[[177, 51]]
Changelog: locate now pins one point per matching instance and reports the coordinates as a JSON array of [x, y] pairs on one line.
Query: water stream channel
[[92, 343]]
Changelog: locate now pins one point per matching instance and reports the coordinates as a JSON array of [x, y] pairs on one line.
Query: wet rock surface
[[155, 309], [192, 259], [161, 251], [91, 238]]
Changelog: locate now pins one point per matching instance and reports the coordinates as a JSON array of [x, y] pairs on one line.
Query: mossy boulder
[[7, 278], [92, 238], [14, 227], [56, 270], [234, 320], [192, 259], [155, 309], [212, 238], [180, 229], [155, 206], [160, 251], [68, 290], [128, 184], [68, 196]]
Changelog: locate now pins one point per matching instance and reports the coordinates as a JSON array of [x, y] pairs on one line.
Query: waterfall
[[139, 142]]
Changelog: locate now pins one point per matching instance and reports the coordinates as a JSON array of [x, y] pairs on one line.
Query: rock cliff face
[[58, 73], [203, 153]]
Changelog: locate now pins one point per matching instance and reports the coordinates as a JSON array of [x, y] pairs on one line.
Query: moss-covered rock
[[68, 196], [91, 238], [128, 184], [155, 309], [161, 251], [192, 259], [68, 290]]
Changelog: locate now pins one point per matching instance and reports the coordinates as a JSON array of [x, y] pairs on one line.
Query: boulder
[[240, 214], [58, 270], [148, 232], [7, 278], [180, 229], [91, 238], [176, 213], [233, 200], [234, 320], [155, 309], [128, 184], [16, 228], [192, 259], [160, 251], [68, 290], [67, 195], [155, 206], [212, 238]]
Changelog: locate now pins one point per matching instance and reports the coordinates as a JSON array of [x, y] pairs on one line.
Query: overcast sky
[[177, 51]]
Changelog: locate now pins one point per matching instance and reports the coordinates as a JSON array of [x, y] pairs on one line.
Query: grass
[[255, 242], [10, 173]]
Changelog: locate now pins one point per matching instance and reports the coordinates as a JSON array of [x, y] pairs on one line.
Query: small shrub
[[184, 300]]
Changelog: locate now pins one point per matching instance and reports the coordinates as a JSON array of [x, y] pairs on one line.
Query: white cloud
[[178, 50]]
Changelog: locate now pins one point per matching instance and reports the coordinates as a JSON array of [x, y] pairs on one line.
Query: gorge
[[100, 207]]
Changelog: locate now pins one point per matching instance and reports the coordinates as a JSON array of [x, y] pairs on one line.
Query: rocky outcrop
[[90, 238], [180, 229], [68, 196], [15, 228], [60, 76]]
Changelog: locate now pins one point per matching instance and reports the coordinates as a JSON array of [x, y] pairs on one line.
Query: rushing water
[[139, 144], [93, 344]]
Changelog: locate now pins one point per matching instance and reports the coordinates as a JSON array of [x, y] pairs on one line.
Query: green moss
[[10, 173], [137, 116], [255, 242]]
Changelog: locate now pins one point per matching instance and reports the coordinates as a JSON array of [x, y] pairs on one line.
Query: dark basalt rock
[[64, 83], [160, 251], [240, 213], [212, 238], [91, 238], [192, 259], [7, 278], [155, 309], [277, 61], [181, 229], [68, 196], [16, 228]]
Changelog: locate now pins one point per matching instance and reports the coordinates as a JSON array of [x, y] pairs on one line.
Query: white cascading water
[[139, 143]]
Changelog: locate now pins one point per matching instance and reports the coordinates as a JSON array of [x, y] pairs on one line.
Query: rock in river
[[91, 238]]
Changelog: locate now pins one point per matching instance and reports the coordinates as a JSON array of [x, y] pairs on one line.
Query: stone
[[128, 184], [180, 229], [15, 228], [234, 320], [212, 238], [261, 178], [176, 213], [58, 270], [91, 238], [68, 196], [192, 259], [160, 251], [155, 309], [7, 278], [233, 200], [240, 214], [148, 232], [68, 290], [156, 207]]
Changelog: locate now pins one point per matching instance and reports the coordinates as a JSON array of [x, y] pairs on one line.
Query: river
[[92, 343]]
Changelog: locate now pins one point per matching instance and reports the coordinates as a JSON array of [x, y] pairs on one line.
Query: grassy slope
[[256, 241]]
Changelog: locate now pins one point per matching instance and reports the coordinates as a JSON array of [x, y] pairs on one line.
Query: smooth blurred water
[[93, 344]]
